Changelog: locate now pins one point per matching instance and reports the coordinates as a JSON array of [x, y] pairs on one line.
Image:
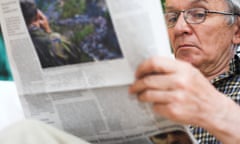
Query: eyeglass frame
[[178, 13]]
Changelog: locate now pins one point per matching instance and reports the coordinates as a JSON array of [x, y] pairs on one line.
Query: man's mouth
[[185, 46]]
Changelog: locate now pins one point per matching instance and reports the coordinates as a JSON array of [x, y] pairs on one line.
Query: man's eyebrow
[[196, 1], [169, 8]]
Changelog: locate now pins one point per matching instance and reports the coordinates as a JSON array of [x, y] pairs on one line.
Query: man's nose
[[181, 25]]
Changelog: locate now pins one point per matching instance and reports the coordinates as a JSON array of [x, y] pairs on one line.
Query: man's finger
[[156, 96], [158, 65], [157, 82]]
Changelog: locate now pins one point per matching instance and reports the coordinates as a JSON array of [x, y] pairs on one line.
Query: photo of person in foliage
[[70, 31]]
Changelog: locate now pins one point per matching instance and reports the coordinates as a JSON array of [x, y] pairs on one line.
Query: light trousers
[[34, 132]]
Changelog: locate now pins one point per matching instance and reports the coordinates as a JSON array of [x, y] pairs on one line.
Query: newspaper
[[73, 73]]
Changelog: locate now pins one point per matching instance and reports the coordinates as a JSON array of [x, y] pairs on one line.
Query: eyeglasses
[[191, 16]]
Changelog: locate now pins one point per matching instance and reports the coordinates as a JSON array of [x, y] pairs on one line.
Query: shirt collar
[[234, 68]]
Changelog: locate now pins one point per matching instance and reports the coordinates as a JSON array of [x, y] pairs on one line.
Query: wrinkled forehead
[[194, 3]]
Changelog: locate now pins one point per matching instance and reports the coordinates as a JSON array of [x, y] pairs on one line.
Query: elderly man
[[201, 87]]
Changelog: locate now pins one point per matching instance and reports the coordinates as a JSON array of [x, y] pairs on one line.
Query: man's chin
[[184, 58], [188, 60]]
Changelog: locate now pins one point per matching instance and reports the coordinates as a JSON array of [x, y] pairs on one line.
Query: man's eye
[[198, 15], [171, 19]]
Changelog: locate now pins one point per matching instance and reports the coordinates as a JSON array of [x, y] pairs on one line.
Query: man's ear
[[236, 36]]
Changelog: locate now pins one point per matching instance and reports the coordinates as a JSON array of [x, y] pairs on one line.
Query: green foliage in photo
[[80, 34], [73, 7]]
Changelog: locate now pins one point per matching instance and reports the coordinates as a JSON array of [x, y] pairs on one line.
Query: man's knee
[[35, 132]]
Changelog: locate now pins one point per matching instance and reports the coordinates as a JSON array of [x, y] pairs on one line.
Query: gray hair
[[234, 7]]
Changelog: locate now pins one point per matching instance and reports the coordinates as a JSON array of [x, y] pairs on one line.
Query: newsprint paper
[[72, 61]]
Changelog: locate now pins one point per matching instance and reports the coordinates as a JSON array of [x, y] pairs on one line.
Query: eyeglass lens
[[191, 16]]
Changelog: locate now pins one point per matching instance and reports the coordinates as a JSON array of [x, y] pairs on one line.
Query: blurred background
[[5, 73]]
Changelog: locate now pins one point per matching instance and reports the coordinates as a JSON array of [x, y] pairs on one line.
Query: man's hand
[[43, 21], [179, 92]]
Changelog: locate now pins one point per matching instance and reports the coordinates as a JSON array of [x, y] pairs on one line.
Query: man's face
[[207, 44]]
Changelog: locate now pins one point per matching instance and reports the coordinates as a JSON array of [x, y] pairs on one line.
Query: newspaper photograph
[[72, 62], [84, 34]]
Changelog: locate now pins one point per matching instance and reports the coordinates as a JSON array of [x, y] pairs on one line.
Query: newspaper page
[[73, 60], [88, 51]]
